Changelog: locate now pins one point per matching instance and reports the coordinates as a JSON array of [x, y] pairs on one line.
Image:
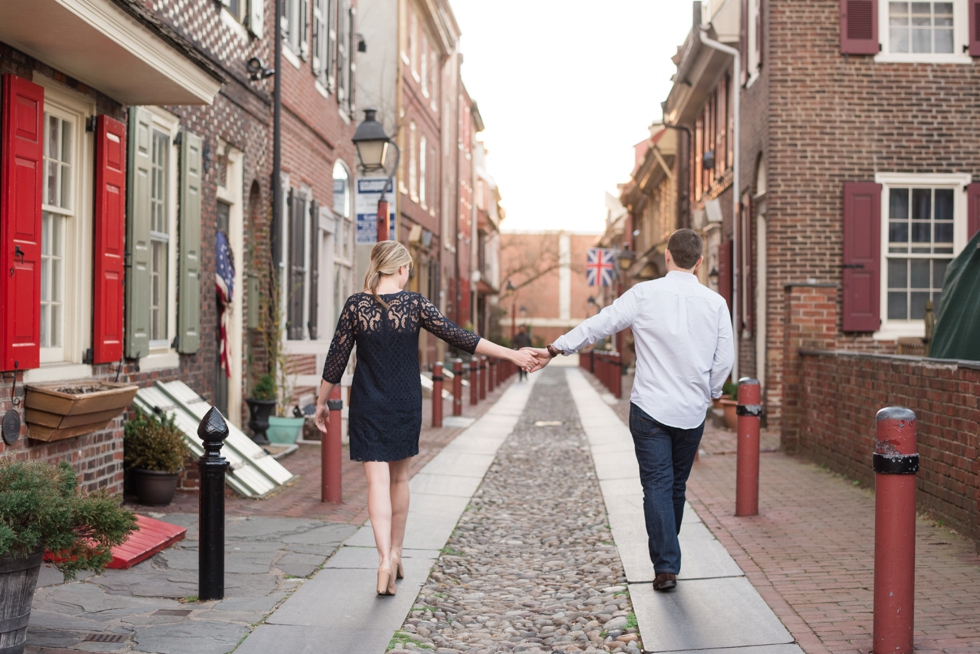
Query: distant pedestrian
[[684, 353], [521, 340], [386, 396]]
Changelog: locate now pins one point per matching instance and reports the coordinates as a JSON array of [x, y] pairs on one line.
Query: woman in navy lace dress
[[386, 395]]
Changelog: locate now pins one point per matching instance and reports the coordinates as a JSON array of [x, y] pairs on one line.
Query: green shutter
[[189, 280], [138, 234]]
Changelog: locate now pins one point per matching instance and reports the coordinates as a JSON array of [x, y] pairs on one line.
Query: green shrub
[[265, 388], [40, 507], [153, 444], [730, 389]]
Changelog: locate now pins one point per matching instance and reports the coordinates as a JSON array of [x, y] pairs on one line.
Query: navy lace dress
[[386, 396]]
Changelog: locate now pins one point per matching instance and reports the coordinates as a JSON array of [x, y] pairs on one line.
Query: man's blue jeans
[[666, 455]]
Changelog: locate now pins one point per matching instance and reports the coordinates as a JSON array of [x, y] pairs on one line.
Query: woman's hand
[[523, 359], [322, 417]]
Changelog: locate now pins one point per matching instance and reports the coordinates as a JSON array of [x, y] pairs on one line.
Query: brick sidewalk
[[810, 553], [301, 498]]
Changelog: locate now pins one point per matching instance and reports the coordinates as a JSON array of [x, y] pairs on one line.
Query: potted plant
[[154, 455], [284, 428], [729, 391], [42, 509], [260, 406]]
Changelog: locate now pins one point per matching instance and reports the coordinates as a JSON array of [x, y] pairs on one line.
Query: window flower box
[[59, 410]]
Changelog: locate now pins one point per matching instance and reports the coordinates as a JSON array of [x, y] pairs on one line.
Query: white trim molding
[[961, 36]]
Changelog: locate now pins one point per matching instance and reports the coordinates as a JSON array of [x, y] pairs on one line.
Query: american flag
[[225, 282], [599, 267]]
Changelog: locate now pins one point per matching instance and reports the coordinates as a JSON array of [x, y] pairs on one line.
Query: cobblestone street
[[531, 567]]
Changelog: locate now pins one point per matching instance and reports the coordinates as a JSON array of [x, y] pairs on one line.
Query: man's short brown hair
[[685, 247]]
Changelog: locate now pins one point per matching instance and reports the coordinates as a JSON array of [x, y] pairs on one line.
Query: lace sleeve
[[444, 328], [342, 344]]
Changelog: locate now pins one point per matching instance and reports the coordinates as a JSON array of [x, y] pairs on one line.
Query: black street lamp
[[372, 143]]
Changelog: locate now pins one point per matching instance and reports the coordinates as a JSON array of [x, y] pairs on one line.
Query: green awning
[[957, 334]]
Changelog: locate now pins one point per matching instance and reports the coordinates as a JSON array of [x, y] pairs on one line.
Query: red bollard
[[895, 463], [437, 394], [457, 387], [617, 375], [492, 381], [483, 378], [330, 451], [474, 380], [749, 409]]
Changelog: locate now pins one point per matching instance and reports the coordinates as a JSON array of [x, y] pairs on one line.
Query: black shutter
[[313, 323], [295, 277]]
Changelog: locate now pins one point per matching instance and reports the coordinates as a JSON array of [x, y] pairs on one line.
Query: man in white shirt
[[684, 353]]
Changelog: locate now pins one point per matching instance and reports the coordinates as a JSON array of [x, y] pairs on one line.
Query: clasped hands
[[540, 357]]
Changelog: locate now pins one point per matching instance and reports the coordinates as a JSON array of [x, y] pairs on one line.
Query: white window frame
[[423, 171], [77, 262], [424, 65], [413, 174], [891, 330], [236, 23], [306, 194], [961, 37], [752, 63], [233, 194], [413, 43], [162, 353]]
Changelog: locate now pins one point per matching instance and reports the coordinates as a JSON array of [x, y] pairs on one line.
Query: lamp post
[[511, 292], [372, 144]]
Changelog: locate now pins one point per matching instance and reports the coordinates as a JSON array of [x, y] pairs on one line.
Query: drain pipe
[[736, 67]]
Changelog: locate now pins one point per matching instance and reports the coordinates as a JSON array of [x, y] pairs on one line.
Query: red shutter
[[974, 28], [862, 256], [859, 27], [972, 210], [21, 177], [110, 226], [725, 271], [464, 313]]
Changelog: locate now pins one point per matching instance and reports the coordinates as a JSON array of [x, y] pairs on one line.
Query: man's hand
[[541, 357], [322, 417]]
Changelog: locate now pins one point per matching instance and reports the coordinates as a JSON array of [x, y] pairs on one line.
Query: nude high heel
[[392, 588], [384, 581], [399, 569]]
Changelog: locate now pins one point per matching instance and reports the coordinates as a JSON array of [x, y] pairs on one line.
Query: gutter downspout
[[736, 195]]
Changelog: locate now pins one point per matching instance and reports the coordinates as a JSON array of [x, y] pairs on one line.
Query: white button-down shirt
[[683, 336]]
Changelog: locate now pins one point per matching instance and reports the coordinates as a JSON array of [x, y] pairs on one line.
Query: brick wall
[[840, 395]]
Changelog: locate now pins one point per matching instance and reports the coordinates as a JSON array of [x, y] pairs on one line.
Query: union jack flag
[[225, 283], [599, 270]]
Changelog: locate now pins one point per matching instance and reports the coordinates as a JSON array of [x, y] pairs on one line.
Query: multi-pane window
[[293, 23], [920, 246], [236, 8], [343, 236], [413, 43], [423, 175], [424, 63], [344, 54], [159, 234], [920, 27], [57, 210]]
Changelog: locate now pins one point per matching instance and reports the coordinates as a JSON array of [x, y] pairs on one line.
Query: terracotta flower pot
[[154, 488], [731, 418]]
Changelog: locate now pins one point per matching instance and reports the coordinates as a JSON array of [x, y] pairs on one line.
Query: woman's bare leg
[[379, 507], [399, 493]]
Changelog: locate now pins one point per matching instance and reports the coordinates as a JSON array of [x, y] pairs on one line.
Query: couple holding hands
[[683, 337]]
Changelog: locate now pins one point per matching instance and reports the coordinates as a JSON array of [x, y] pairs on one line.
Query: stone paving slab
[[702, 556], [761, 649], [459, 464], [366, 558], [431, 521], [443, 485], [616, 465], [705, 614]]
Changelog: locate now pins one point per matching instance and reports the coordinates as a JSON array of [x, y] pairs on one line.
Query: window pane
[[921, 232], [898, 204], [898, 20], [944, 204], [939, 272], [51, 188], [897, 306], [898, 273], [898, 232], [66, 137], [51, 134], [919, 305], [944, 41], [921, 204], [920, 273], [944, 232]]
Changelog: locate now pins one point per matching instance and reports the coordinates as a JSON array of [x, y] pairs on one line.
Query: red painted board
[[151, 536]]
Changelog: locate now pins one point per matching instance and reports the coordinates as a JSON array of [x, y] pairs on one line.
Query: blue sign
[[366, 209]]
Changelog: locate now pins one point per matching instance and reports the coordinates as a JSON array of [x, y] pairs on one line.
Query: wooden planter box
[[59, 410]]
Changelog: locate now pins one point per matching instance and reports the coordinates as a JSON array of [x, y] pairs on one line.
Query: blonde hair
[[386, 258]]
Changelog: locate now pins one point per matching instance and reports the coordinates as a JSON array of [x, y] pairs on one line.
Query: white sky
[[566, 88]]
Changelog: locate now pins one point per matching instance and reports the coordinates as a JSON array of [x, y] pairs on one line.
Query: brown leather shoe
[[665, 581]]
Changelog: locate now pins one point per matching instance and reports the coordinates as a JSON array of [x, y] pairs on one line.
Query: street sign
[[366, 208]]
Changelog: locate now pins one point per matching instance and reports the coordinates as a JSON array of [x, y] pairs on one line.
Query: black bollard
[[211, 509]]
